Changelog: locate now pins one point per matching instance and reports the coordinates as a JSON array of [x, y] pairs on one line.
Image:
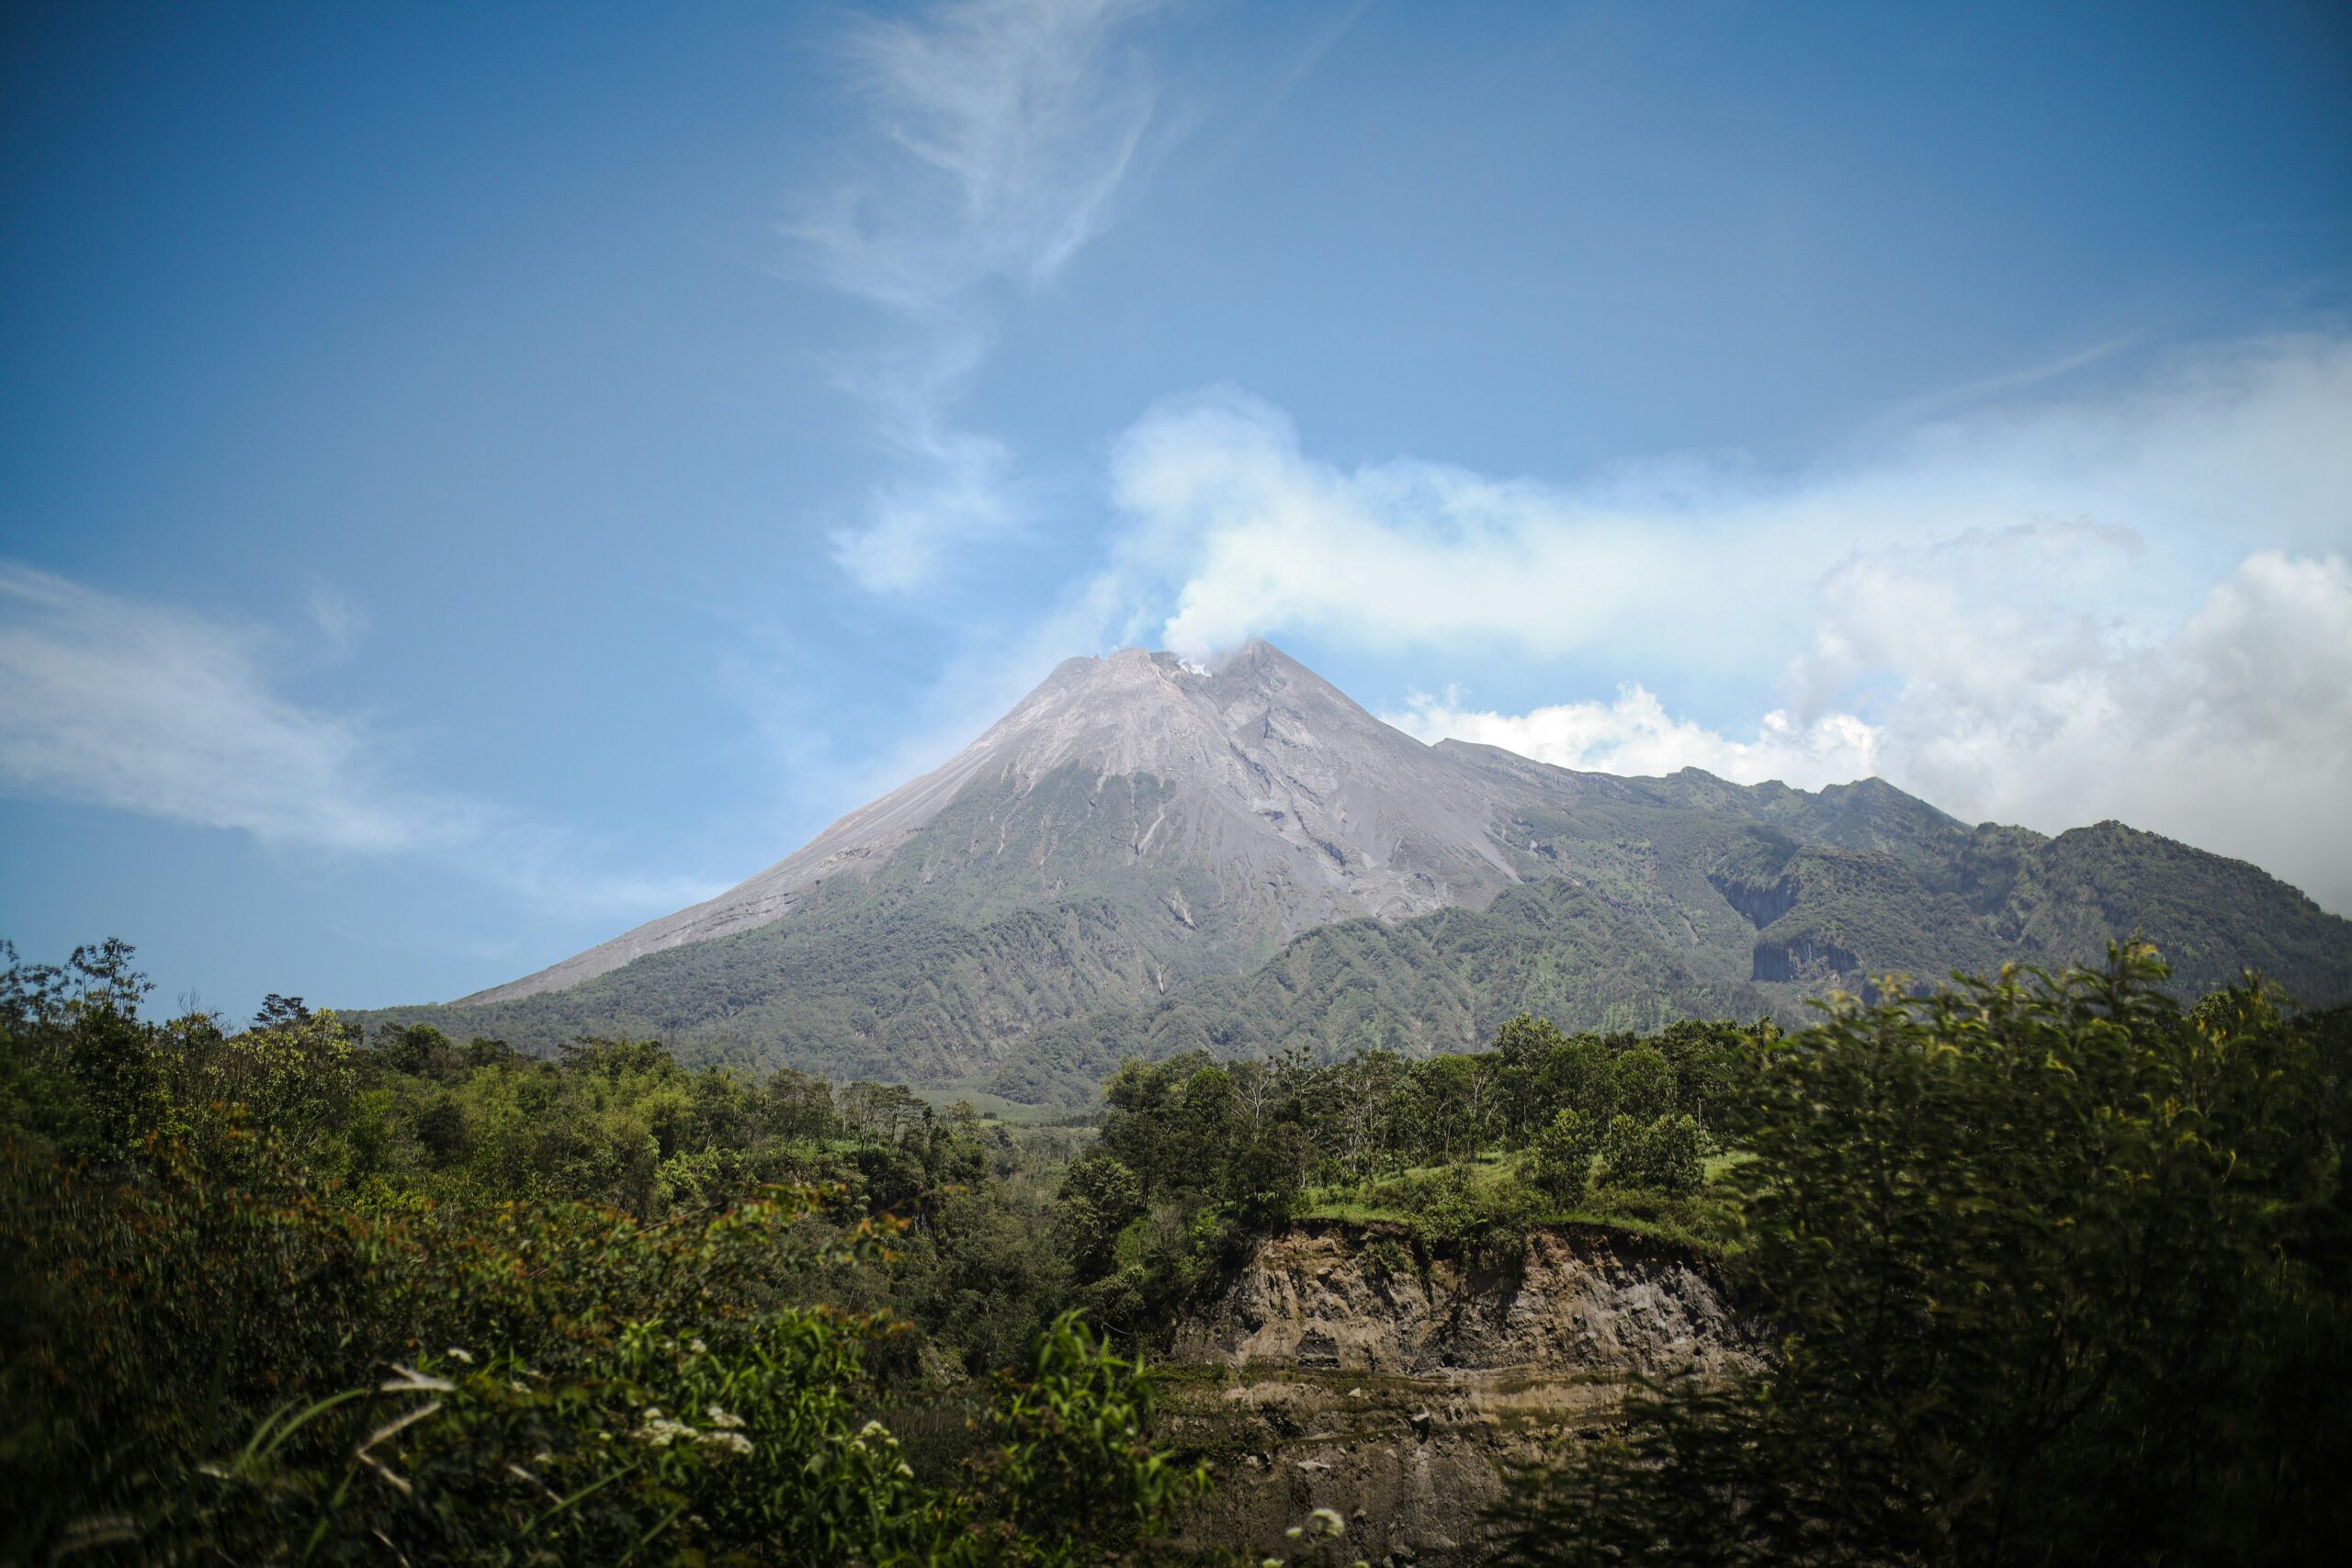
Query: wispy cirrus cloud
[[994, 142], [161, 712], [998, 133], [340, 620], [147, 709]]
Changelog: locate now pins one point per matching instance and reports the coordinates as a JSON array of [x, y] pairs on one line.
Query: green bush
[[1454, 1212], [1663, 1155]]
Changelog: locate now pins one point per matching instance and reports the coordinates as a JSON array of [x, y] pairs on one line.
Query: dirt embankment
[[1338, 1371]]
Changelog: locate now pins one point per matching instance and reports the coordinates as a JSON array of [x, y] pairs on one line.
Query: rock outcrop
[[1580, 1302], [1339, 1370]]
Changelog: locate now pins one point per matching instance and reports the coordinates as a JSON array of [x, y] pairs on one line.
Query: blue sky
[[478, 480]]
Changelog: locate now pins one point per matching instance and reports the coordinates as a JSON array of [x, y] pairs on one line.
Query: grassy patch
[[1705, 1222], [1353, 1209], [1717, 1166], [1430, 1201]]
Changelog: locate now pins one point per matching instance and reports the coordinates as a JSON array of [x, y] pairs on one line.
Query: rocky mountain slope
[[1287, 803], [1143, 856]]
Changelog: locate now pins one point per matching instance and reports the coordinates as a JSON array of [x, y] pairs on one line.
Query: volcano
[[1146, 855]]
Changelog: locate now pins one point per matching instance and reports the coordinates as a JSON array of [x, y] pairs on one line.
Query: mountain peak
[[1306, 808], [1256, 661]]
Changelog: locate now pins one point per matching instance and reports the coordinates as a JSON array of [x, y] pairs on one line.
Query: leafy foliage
[[2056, 1271], [2058, 1274], [272, 1295]]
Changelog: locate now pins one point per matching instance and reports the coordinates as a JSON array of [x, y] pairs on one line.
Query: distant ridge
[[1143, 856]]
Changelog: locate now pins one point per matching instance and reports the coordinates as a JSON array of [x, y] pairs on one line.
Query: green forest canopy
[[2058, 1272]]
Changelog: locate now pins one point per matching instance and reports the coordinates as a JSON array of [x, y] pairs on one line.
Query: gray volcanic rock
[[1304, 802]]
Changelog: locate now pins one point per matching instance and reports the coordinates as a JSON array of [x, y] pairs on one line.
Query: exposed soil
[[1338, 1370]]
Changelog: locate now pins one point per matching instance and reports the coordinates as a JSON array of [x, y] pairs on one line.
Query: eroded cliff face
[[1338, 1370]]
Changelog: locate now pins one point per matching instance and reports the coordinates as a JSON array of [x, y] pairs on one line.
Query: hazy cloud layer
[[998, 133], [2233, 732], [163, 713], [2130, 606], [995, 139], [113, 701], [2219, 454]]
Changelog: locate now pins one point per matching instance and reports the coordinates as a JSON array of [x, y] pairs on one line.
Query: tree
[[1100, 1197], [1644, 1082], [1451, 1096], [1565, 1150], [1261, 1180], [1522, 1048], [417, 1049], [1364, 1095], [1576, 1072], [885, 1114], [1674, 1165], [282, 1013], [798, 1106]]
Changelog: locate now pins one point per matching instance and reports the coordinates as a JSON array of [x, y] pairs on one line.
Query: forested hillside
[[296, 1283], [281, 1293], [1644, 905], [1438, 982]]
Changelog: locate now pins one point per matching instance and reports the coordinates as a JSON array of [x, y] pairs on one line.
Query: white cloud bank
[[2233, 732], [996, 137], [112, 702], [1634, 735], [2133, 606], [2221, 454]]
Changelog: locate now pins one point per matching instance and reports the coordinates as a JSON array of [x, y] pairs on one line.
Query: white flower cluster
[[1324, 1523], [873, 1429], [662, 1430]]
